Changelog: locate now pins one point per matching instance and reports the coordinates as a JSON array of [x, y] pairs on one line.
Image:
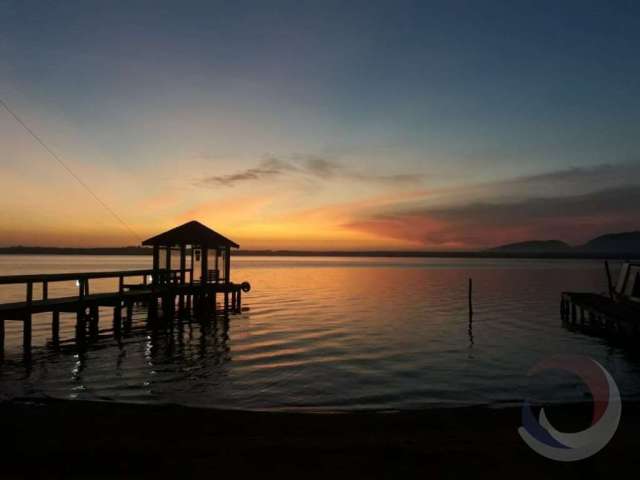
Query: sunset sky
[[321, 125]]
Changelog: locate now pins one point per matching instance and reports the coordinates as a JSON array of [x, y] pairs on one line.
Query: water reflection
[[323, 333]]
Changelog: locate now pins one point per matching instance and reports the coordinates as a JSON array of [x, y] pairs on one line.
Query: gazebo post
[[227, 265], [168, 263], [217, 268], [156, 261], [183, 265], [191, 265], [204, 255]]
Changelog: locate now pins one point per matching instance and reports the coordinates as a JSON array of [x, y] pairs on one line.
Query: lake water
[[328, 333]]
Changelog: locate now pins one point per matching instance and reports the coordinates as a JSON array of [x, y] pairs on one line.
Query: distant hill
[[609, 244], [615, 245], [537, 246], [614, 242]]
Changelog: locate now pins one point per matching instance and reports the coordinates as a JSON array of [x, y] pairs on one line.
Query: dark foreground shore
[[85, 440]]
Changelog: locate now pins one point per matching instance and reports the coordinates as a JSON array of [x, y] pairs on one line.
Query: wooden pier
[[193, 287], [599, 314], [616, 314]]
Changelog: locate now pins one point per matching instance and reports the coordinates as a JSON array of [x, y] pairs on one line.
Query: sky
[[320, 125]]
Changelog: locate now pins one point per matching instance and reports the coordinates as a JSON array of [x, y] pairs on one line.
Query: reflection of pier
[[190, 286]]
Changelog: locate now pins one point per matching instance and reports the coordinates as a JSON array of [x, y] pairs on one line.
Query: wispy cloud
[[309, 166]]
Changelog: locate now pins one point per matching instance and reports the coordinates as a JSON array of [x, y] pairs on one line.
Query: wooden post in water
[[26, 332], [1, 337], [117, 319], [81, 313], [94, 319], [470, 299], [55, 327]]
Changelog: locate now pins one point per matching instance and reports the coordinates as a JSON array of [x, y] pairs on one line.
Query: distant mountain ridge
[[534, 246], [623, 245], [624, 242]]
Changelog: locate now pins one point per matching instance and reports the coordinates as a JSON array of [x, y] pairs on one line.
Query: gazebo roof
[[191, 233]]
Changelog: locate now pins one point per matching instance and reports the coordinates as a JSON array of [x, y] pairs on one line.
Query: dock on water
[[615, 314], [191, 266]]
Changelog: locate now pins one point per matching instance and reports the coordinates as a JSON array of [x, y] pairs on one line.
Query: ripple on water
[[329, 334]]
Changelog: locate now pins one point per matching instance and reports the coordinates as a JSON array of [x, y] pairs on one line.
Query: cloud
[[271, 167], [309, 166], [574, 218]]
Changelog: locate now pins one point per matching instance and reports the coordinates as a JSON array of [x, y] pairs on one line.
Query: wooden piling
[[470, 298], [55, 327], [94, 319], [81, 327], [117, 319], [26, 331]]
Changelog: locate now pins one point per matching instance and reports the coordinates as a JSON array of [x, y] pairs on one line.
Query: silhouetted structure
[[618, 313], [206, 247], [192, 283]]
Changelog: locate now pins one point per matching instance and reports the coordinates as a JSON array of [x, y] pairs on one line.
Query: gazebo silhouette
[[203, 254], [206, 247]]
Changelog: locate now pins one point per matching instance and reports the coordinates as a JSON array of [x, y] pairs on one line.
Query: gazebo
[[199, 250]]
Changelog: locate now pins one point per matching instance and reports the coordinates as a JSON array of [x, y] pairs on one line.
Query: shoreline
[[140, 251], [88, 439]]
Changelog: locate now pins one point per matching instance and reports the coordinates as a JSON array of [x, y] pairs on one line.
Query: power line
[[68, 169]]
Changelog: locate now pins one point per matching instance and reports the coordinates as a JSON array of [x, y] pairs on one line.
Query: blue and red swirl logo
[[544, 439]]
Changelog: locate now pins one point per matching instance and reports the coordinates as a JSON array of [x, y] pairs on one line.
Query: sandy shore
[[74, 439]]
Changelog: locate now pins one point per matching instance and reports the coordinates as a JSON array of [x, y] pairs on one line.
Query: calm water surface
[[328, 333]]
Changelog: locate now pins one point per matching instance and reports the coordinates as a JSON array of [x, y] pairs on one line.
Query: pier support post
[[117, 320], [26, 333], [55, 327], [239, 299], [226, 302], [129, 316], [1, 337], [94, 321], [81, 326]]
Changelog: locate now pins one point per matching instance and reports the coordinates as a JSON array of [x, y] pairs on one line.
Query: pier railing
[[149, 277], [154, 287]]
